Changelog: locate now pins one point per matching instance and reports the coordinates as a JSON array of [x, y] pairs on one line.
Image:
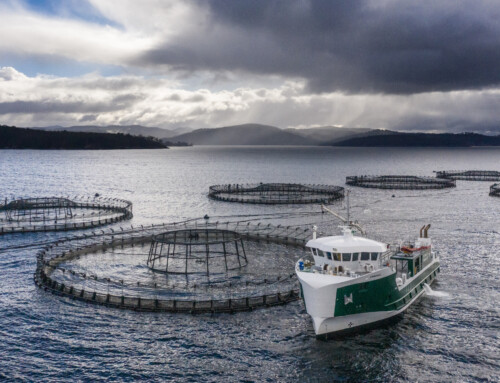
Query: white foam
[[432, 293]]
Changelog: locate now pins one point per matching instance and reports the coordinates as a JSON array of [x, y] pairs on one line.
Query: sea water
[[47, 338]]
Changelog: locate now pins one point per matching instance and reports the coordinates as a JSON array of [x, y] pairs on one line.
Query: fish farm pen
[[400, 182], [197, 250], [470, 175], [276, 193], [120, 268], [495, 190], [23, 215]]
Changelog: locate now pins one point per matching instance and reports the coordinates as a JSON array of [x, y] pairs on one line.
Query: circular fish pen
[[120, 269], [24, 215], [469, 175], [495, 190], [276, 193], [399, 182], [194, 251]]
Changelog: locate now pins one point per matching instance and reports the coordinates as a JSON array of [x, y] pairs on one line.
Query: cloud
[[125, 100], [26, 33], [353, 46], [165, 18], [10, 74], [203, 63], [88, 118], [47, 106], [350, 46]]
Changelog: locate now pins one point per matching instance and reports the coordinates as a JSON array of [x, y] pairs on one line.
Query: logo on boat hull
[[348, 299]]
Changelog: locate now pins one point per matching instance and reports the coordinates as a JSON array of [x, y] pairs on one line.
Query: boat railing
[[385, 258], [311, 268]]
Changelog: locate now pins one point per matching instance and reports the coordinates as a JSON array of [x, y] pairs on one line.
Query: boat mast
[[345, 220], [347, 192]]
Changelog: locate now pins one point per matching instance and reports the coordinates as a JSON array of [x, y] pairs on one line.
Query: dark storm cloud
[[350, 45], [88, 118]]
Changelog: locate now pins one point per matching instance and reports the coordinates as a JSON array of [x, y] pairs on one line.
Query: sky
[[383, 64]]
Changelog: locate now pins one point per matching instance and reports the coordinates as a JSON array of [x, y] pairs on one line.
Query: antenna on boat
[[343, 219]]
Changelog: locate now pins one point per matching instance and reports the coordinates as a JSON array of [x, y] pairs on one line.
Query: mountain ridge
[[403, 139], [244, 134], [327, 134], [260, 134]]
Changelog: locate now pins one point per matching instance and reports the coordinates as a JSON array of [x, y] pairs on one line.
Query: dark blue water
[[453, 336]]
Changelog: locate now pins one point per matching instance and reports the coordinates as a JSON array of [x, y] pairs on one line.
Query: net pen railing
[[469, 175], [400, 182], [24, 215], [276, 193], [52, 256], [138, 303]]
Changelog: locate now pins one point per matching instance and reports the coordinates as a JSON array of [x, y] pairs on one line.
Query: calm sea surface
[[448, 337]]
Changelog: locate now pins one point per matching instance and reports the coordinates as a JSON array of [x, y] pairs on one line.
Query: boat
[[353, 282]]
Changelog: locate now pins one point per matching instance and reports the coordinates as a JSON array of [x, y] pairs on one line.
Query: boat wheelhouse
[[348, 254]]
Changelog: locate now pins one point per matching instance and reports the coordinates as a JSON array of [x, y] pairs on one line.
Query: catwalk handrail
[[119, 206], [469, 175], [237, 188], [399, 182], [275, 193], [54, 202], [52, 255]]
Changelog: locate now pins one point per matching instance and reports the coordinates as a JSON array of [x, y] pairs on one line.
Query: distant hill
[[257, 134], [368, 133], [135, 130], [329, 134], [246, 134], [395, 139], [21, 138]]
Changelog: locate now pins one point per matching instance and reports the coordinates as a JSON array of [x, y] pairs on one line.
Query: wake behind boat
[[354, 281]]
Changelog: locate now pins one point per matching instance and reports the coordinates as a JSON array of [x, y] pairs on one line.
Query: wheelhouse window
[[314, 251], [365, 256], [337, 256], [329, 255], [346, 257], [355, 256], [374, 256], [320, 253]]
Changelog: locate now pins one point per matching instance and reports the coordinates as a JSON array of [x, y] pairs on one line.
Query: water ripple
[[51, 339]]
